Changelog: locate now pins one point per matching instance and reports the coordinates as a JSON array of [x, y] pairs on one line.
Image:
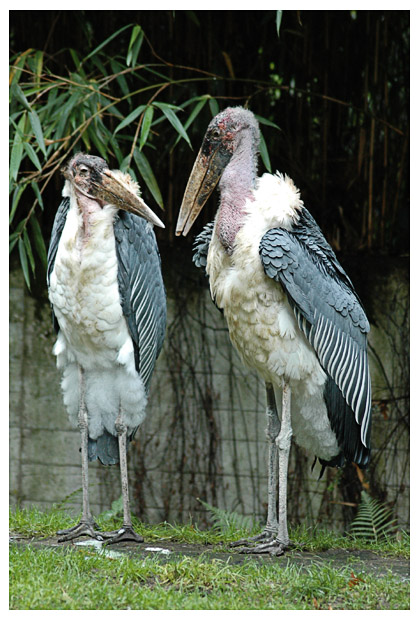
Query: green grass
[[82, 578], [33, 522]]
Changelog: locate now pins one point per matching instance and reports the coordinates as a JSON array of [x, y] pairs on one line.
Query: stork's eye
[[215, 133], [83, 171]]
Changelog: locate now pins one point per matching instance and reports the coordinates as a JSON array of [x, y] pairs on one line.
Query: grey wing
[[59, 222], [330, 315], [141, 289], [201, 246]]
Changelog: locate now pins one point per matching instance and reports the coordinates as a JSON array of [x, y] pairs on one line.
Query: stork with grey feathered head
[[109, 309], [292, 312]]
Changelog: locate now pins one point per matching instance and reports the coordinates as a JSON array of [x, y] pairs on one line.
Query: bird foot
[[124, 534], [273, 547], [266, 542], [266, 536], [83, 528]]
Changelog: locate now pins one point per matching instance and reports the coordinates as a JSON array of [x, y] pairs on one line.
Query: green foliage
[[110, 105], [116, 510], [229, 522], [373, 521], [84, 109]]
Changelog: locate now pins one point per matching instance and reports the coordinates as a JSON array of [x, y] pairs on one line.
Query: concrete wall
[[204, 434]]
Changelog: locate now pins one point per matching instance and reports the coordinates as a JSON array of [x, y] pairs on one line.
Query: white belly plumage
[[264, 331], [93, 331]]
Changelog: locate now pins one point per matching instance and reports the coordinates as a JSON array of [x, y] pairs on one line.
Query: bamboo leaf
[[17, 93], [37, 129], [214, 106], [197, 109], [28, 249], [16, 70], [279, 15], [37, 193], [39, 241], [76, 60], [136, 49], [147, 175], [174, 120], [85, 138], [24, 262], [102, 45], [32, 155], [264, 153], [134, 34], [134, 45], [96, 135], [122, 82], [130, 118], [17, 148], [125, 163], [13, 239], [145, 127], [100, 65], [116, 147], [39, 61], [16, 197], [265, 121]]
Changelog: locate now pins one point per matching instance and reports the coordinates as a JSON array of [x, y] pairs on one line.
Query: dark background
[[342, 103]]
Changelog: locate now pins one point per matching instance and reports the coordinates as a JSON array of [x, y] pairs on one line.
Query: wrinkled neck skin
[[236, 187], [88, 208]]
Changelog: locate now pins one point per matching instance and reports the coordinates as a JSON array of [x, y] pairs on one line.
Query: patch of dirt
[[355, 561]]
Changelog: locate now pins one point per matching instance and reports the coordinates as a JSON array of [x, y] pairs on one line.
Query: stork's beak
[[112, 189], [203, 179]]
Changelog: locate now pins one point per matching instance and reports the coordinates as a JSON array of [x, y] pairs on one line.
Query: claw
[[273, 547], [84, 528], [266, 542], [125, 534], [266, 536]]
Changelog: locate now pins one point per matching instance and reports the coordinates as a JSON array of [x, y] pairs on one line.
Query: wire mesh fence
[[204, 436]]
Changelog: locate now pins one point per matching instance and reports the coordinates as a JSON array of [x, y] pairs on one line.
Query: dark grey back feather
[[141, 288], [57, 229], [330, 315]]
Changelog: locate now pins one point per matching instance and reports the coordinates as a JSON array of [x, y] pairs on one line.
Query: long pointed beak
[[112, 189], [203, 179]]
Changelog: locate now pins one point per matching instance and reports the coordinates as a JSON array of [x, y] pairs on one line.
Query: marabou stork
[[109, 310], [292, 312]]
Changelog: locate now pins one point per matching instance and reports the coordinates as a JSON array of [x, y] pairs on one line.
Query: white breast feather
[[261, 322], [93, 331]]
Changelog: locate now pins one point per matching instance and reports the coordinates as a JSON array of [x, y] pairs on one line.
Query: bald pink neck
[[236, 187], [88, 207]]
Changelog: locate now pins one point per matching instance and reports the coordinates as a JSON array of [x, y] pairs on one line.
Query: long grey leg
[[281, 445], [86, 526], [126, 533], [83, 426], [283, 442], [272, 430]]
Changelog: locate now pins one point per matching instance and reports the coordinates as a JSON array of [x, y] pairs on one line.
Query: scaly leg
[[86, 526], [126, 533], [277, 545], [284, 441], [272, 431]]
